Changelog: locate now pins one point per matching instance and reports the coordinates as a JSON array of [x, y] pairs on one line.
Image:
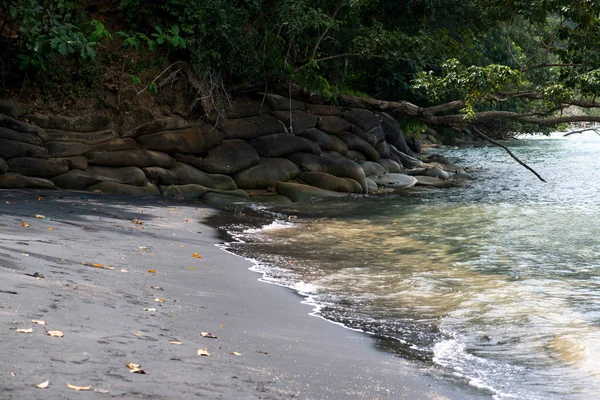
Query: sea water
[[495, 285]]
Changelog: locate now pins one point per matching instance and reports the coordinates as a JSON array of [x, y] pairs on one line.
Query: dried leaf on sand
[[25, 330], [43, 385], [55, 333], [203, 352], [39, 322], [73, 387], [208, 335]]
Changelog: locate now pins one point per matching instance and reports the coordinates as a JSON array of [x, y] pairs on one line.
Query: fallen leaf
[[12, 374], [132, 365], [136, 369], [25, 330], [124, 270], [196, 255], [149, 309], [55, 333], [143, 247], [137, 221], [40, 197], [96, 265], [156, 287], [204, 353], [152, 271], [208, 335], [43, 385], [78, 387], [138, 334], [192, 269], [25, 254], [39, 216], [159, 300], [39, 322], [24, 224], [222, 325], [235, 353], [50, 229], [101, 391], [181, 246], [176, 343]]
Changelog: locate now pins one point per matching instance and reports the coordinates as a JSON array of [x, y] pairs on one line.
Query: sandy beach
[[130, 280]]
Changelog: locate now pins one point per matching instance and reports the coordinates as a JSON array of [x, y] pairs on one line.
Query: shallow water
[[496, 285]]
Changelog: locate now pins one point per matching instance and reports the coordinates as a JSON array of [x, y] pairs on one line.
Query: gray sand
[[285, 353]]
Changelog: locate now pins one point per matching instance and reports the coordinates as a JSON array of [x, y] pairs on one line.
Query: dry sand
[[107, 319]]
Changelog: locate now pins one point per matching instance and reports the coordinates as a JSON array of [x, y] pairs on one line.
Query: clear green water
[[496, 285]]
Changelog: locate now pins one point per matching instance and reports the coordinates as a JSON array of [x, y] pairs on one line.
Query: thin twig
[[595, 130]]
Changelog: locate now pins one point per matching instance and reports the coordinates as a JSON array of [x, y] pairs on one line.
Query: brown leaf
[[39, 322], [24, 224], [78, 387], [43, 385], [152, 271], [208, 335], [196, 255], [204, 352], [235, 353], [23, 330], [55, 333], [138, 334]]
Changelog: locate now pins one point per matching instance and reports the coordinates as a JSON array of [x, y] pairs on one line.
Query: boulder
[[250, 128], [90, 123], [372, 185], [364, 119], [120, 188], [164, 124], [355, 143], [91, 138], [16, 125], [300, 121], [391, 165], [77, 162], [11, 149], [396, 181], [194, 191], [194, 140], [377, 133], [39, 167], [355, 156], [333, 125], [244, 108], [17, 181], [434, 182], [383, 148], [183, 174], [372, 169], [282, 144], [393, 134], [72, 149], [3, 166], [326, 142], [227, 158], [280, 103], [11, 134], [80, 180], [130, 158], [437, 173], [339, 167], [413, 144], [323, 109], [298, 192], [265, 174], [329, 182], [14, 109], [371, 139]]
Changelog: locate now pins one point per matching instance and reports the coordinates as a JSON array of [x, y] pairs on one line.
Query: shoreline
[[285, 352]]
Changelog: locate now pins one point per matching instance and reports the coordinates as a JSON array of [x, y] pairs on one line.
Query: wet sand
[[107, 319]]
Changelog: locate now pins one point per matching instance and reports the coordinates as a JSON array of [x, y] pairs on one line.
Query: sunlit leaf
[[50, 229], [196, 255], [192, 269], [40, 216], [159, 300], [203, 352], [124, 270], [24, 224], [40, 197], [143, 248], [152, 271], [43, 385], [181, 246], [25, 330], [150, 309], [156, 287], [39, 322], [176, 343], [78, 387], [25, 254], [235, 353], [55, 333], [138, 334], [208, 335]]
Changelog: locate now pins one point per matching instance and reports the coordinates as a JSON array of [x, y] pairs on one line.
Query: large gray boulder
[[367, 137], [393, 135], [90, 123], [298, 192], [77, 162], [434, 182], [10, 149], [324, 109], [355, 143], [164, 124], [390, 165], [299, 120], [396, 181], [372, 168], [183, 174], [109, 187], [329, 182], [250, 128], [325, 141], [194, 191], [186, 141], [364, 119], [39, 167], [227, 158], [244, 108], [18, 181], [130, 158], [383, 148], [265, 174], [80, 180], [280, 103], [3, 166], [91, 138], [11, 134], [72, 149], [333, 125], [282, 144]]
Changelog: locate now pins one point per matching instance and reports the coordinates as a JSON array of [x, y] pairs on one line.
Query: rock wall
[[297, 149]]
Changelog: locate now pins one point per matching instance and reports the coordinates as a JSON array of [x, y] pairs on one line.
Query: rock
[[72, 149], [271, 199], [130, 158], [90, 123], [244, 108], [298, 192], [119, 188], [300, 121], [282, 144], [413, 144], [391, 165], [186, 141], [280, 103], [10, 149], [355, 156], [227, 158], [90, 138], [323, 109], [183, 174], [396, 181], [371, 139], [326, 142], [437, 173], [372, 185], [11, 134], [3, 166], [17, 181], [250, 128], [165, 124], [333, 125], [403, 158], [364, 119], [329, 182], [372, 168], [194, 191], [383, 148], [77, 162], [80, 180], [437, 158], [16, 125], [265, 174], [393, 134], [434, 182], [377, 133], [355, 143], [14, 109], [339, 167], [38, 167], [332, 154]]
